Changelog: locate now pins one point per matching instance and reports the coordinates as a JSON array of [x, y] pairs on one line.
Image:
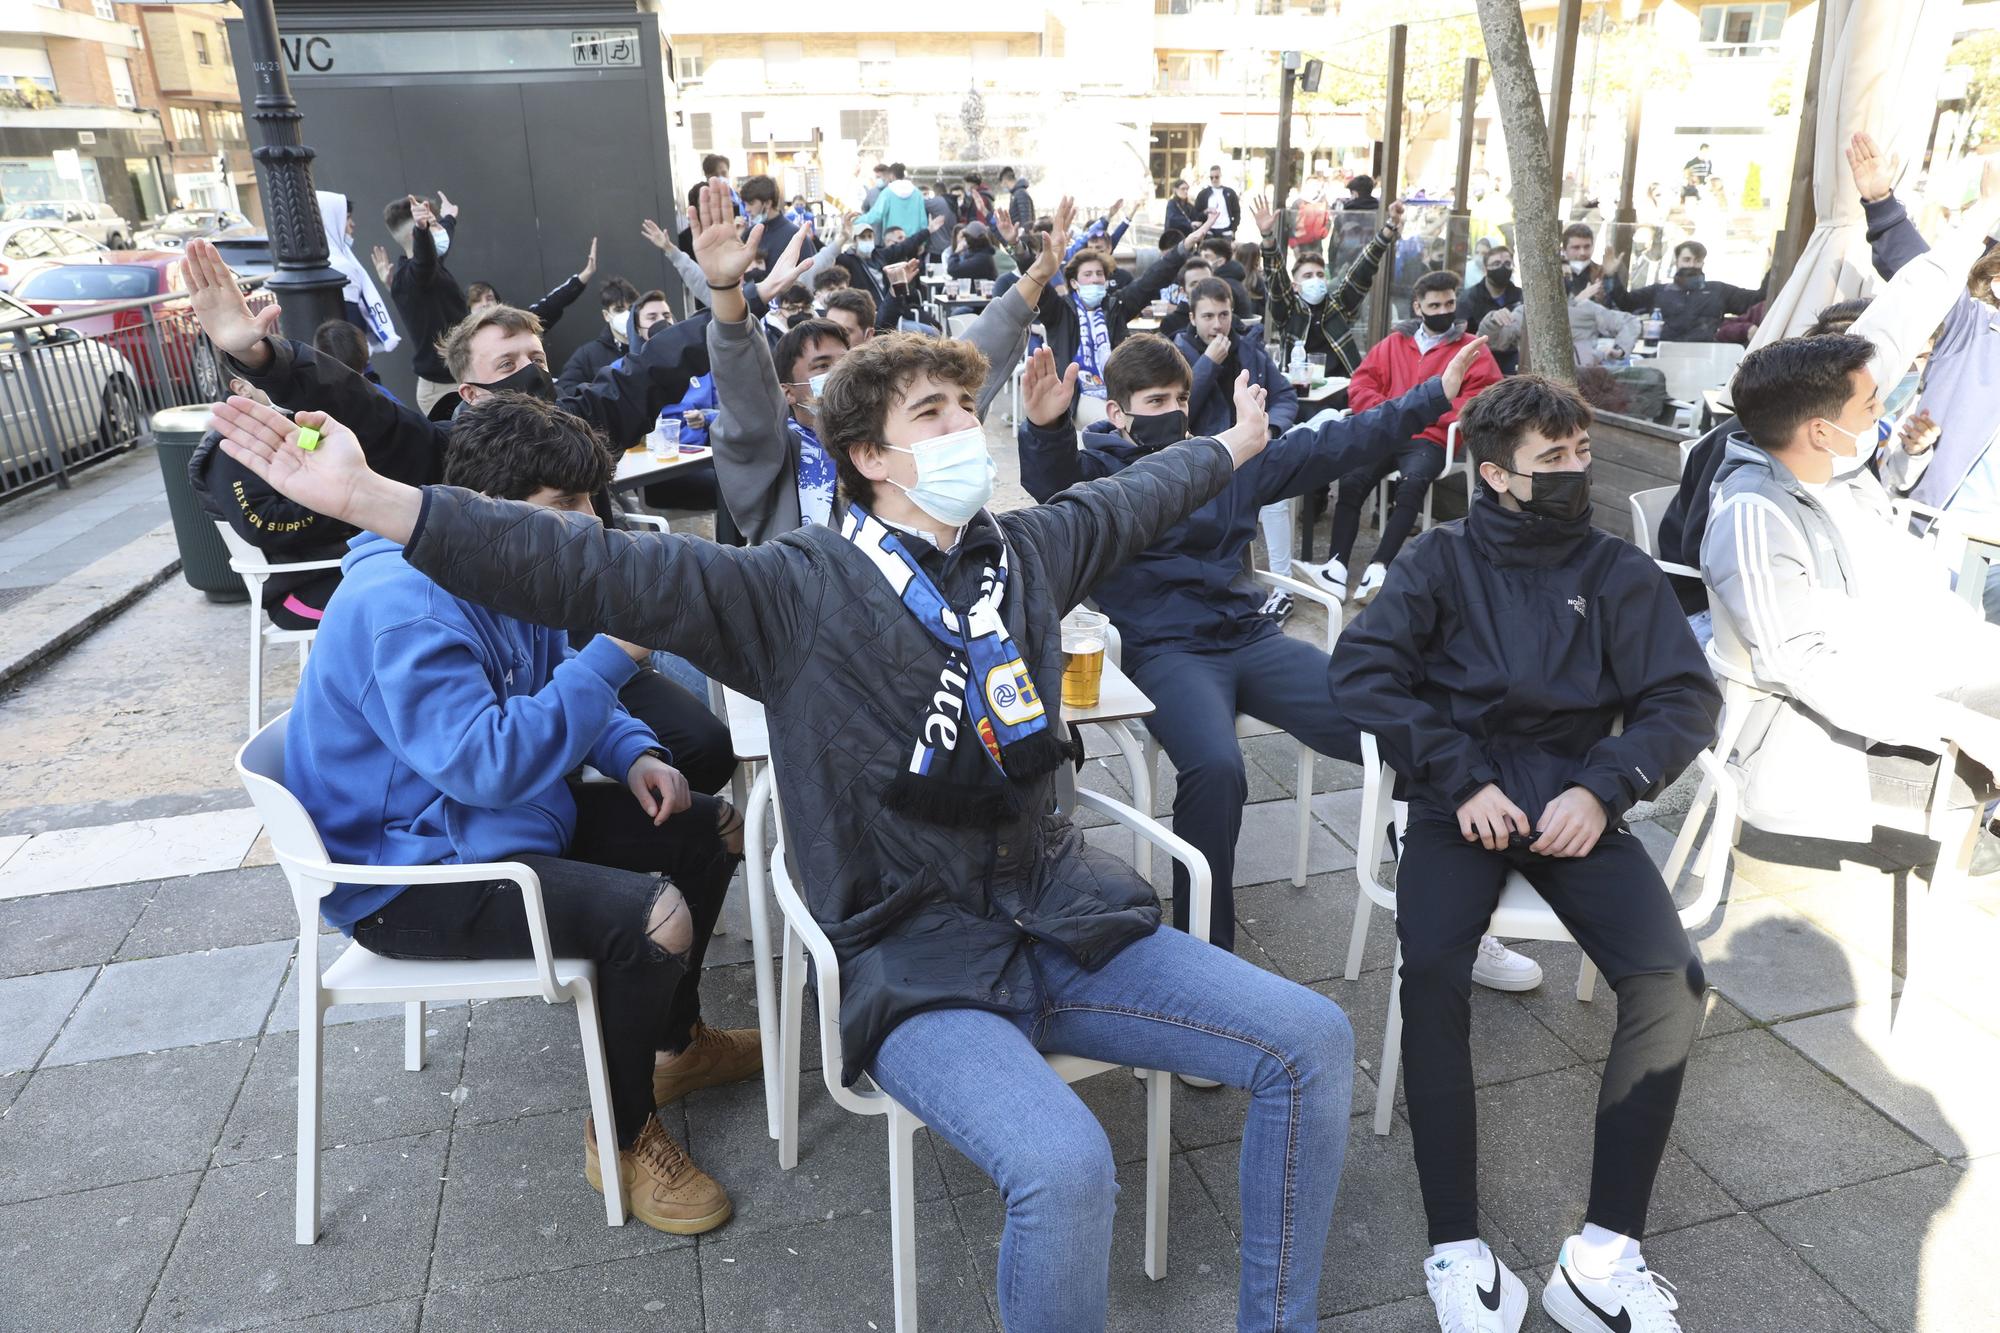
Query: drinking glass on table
[[665, 441], [1083, 636], [1315, 367]]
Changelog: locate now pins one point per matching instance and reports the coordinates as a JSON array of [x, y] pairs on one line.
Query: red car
[[175, 361]]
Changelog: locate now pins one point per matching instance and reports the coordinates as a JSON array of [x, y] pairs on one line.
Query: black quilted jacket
[[922, 916]]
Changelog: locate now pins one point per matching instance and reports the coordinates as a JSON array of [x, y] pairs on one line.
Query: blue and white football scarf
[[984, 688]]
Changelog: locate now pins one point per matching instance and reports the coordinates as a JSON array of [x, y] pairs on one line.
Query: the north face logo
[[1576, 604]]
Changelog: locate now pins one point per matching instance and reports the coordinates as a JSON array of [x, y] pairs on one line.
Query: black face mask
[[1691, 278], [1441, 323], [1562, 496], [532, 379], [1500, 273], [1157, 432]]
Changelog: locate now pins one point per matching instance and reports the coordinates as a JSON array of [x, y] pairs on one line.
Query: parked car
[[174, 343], [247, 251], [100, 222], [176, 229], [82, 396], [28, 246]]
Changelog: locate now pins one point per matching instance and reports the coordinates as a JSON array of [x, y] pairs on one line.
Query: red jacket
[[1393, 367]]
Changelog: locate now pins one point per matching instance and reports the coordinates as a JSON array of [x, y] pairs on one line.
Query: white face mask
[[864, 247], [1865, 442], [954, 476], [615, 321], [1313, 290], [1578, 265], [442, 238]]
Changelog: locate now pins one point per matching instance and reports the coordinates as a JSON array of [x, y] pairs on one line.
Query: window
[[877, 60], [868, 130], [26, 62], [222, 41], [688, 65], [784, 64], [702, 125], [201, 49], [1187, 72], [1742, 30], [187, 125], [105, 10], [121, 81]]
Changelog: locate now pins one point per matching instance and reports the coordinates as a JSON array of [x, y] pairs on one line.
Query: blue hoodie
[[1190, 590], [430, 731]]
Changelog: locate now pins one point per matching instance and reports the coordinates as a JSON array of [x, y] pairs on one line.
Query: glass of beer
[[1083, 658]]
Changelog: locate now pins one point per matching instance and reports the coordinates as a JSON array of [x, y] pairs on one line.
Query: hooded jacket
[[1058, 316], [901, 204], [586, 361], [366, 308], [1503, 648], [431, 731], [1189, 591], [1212, 400], [1021, 204], [1794, 602], [1393, 365], [922, 916]]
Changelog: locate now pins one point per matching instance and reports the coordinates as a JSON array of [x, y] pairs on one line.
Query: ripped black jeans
[[599, 900]]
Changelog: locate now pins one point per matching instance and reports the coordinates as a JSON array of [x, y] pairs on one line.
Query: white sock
[[1597, 1249], [1473, 1248]]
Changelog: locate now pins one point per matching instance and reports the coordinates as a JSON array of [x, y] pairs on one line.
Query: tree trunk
[[1537, 236]]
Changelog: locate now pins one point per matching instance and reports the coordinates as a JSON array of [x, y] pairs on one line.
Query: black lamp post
[[308, 291]]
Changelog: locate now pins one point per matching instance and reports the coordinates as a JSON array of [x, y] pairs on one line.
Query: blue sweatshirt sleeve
[[1893, 240], [438, 711], [623, 739]]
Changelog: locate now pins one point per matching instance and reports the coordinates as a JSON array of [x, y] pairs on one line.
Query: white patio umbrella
[[1879, 62]]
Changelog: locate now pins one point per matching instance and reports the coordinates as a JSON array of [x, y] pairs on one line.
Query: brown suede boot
[[663, 1187], [712, 1058]]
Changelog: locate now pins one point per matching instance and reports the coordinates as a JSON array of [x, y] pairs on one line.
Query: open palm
[[1047, 393], [326, 479], [724, 253], [219, 305]]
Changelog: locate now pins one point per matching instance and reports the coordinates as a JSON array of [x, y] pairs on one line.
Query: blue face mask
[[954, 476], [1312, 291], [442, 239], [1092, 295]]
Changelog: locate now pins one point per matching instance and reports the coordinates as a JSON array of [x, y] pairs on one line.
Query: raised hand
[[327, 480], [1064, 218], [1003, 222], [898, 274], [1046, 393], [939, 221], [220, 307], [1454, 374], [724, 254], [1919, 433], [1394, 216], [446, 208], [420, 213], [1262, 213], [656, 234], [788, 270], [1252, 431], [589, 269], [1111, 218], [1874, 174], [384, 270], [1194, 237]]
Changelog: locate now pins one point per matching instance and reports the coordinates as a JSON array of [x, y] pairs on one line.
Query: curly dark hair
[[854, 406], [512, 445]]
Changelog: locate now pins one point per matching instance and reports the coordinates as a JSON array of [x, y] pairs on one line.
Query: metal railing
[[82, 384]]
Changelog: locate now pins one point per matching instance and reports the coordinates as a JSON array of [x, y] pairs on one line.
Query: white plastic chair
[[1687, 451], [251, 566], [866, 1099], [1691, 370], [956, 325], [1521, 912], [1648, 508], [361, 977]]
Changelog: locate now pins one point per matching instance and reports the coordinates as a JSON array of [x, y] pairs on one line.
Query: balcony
[[25, 16]]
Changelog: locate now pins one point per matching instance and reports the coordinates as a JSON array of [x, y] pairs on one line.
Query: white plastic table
[[637, 467]]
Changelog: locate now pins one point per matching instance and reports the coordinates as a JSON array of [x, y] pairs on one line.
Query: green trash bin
[[204, 559]]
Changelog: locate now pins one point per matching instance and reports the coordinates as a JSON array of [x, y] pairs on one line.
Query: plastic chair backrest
[[239, 550], [1089, 411], [1687, 451], [958, 324], [260, 764], [1648, 508]]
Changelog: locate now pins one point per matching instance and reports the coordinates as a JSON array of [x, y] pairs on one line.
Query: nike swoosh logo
[[1621, 1323], [1490, 1296]]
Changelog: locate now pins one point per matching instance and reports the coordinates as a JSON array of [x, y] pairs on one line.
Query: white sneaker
[[1498, 967], [1633, 1299], [1196, 1081], [1372, 579], [1332, 576], [1475, 1293]]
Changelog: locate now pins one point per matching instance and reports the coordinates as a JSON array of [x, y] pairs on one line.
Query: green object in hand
[[308, 438]]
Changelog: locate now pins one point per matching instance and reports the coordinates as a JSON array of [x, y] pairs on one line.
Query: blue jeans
[[1170, 1002]]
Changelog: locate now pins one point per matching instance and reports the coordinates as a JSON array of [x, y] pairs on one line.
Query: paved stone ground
[[1829, 1171]]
